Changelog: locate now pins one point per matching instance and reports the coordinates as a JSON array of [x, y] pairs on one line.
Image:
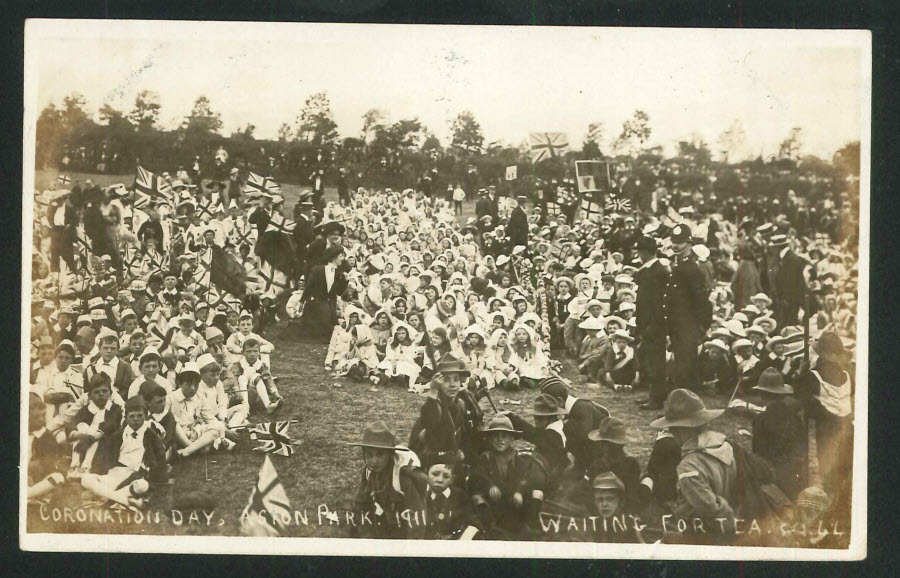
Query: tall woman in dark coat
[[323, 286]]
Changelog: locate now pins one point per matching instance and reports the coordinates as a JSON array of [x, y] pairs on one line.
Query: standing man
[[687, 308], [518, 223], [786, 270], [303, 234], [650, 325], [63, 221]]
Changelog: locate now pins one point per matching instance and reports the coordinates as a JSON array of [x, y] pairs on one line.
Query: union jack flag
[[269, 507], [545, 145], [590, 209], [552, 209], [274, 436], [152, 185], [617, 205], [280, 224], [257, 186], [64, 180], [272, 281]]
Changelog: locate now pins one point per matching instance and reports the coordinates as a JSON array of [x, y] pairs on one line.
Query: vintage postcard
[[445, 290]]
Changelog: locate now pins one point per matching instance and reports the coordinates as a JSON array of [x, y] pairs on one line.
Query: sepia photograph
[[429, 290]]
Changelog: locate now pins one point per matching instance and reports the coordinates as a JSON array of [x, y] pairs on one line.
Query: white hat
[[741, 343], [206, 360], [718, 344], [592, 323]]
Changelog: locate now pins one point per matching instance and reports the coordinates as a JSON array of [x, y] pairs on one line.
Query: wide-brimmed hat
[[772, 381], [546, 404], [718, 344], [449, 363], [378, 435], [684, 408], [500, 423], [610, 430], [622, 334], [762, 297], [592, 323], [830, 347], [608, 481]]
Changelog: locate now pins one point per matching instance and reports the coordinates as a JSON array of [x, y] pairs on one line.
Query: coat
[[687, 306], [518, 228], [707, 478], [381, 501], [780, 436], [154, 454], [320, 307], [650, 317]]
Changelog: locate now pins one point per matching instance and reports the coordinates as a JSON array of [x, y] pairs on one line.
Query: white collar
[[649, 263], [445, 493], [784, 252], [140, 431], [570, 401]]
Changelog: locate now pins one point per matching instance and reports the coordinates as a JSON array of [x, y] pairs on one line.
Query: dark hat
[[434, 458], [830, 347], [646, 243], [608, 481], [611, 430], [680, 234], [332, 252], [545, 404], [684, 408], [378, 435], [135, 402], [450, 364], [554, 386], [772, 381], [328, 227]]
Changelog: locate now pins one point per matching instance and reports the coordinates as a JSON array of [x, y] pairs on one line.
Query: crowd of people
[[150, 313]]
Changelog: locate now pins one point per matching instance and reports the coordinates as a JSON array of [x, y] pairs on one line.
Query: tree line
[[405, 153]]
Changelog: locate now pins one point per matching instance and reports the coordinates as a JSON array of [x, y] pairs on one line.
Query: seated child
[[361, 358], [257, 376], [212, 390], [150, 365], [477, 357], [97, 420], [621, 373], [68, 383], [159, 414], [448, 510], [234, 346], [198, 429], [505, 375], [608, 455], [44, 452], [390, 482], [134, 457], [595, 352], [187, 341], [494, 483], [528, 357], [399, 365]]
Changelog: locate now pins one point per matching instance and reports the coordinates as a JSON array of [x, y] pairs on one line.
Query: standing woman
[[319, 299]]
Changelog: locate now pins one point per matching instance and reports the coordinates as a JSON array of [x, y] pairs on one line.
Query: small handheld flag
[[274, 438], [268, 506]]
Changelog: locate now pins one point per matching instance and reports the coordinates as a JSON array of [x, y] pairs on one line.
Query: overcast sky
[[514, 80]]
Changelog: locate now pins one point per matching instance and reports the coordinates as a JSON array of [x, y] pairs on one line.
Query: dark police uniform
[[688, 314]]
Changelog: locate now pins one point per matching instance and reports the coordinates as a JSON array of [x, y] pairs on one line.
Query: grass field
[[323, 469]]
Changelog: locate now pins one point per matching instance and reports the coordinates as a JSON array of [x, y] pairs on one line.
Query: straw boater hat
[[761, 297], [378, 435], [592, 323], [684, 408], [501, 423], [718, 344], [546, 405], [610, 430], [622, 334], [772, 381]]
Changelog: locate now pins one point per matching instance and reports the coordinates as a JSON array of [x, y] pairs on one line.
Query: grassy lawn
[[323, 469]]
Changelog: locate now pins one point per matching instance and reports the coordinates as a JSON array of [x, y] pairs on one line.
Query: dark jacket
[[650, 316], [154, 464], [688, 309], [382, 519], [518, 228], [447, 517], [780, 436]]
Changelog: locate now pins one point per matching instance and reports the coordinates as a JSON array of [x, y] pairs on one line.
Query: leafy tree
[[635, 133], [731, 140], [373, 120], [695, 151], [75, 115], [790, 147], [467, 135], [50, 130], [244, 134], [284, 132], [316, 124], [202, 120], [847, 159], [146, 110]]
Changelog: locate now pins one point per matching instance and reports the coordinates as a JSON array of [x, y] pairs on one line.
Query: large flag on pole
[[545, 145], [257, 186], [152, 185], [269, 507]]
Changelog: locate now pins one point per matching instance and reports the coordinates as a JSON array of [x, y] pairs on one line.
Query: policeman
[[688, 309]]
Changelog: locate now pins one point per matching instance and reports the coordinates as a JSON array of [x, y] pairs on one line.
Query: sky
[[514, 79]]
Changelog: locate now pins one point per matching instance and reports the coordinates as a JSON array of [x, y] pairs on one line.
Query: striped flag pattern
[[268, 507], [152, 185], [257, 187]]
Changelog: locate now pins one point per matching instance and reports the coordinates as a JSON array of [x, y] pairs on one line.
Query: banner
[[512, 173], [545, 145], [593, 177]]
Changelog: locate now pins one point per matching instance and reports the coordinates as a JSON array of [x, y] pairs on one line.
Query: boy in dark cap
[[448, 510]]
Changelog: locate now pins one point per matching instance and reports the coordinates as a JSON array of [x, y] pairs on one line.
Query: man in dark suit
[[518, 223], [483, 206], [786, 269], [650, 325], [63, 220], [687, 308], [303, 235]]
